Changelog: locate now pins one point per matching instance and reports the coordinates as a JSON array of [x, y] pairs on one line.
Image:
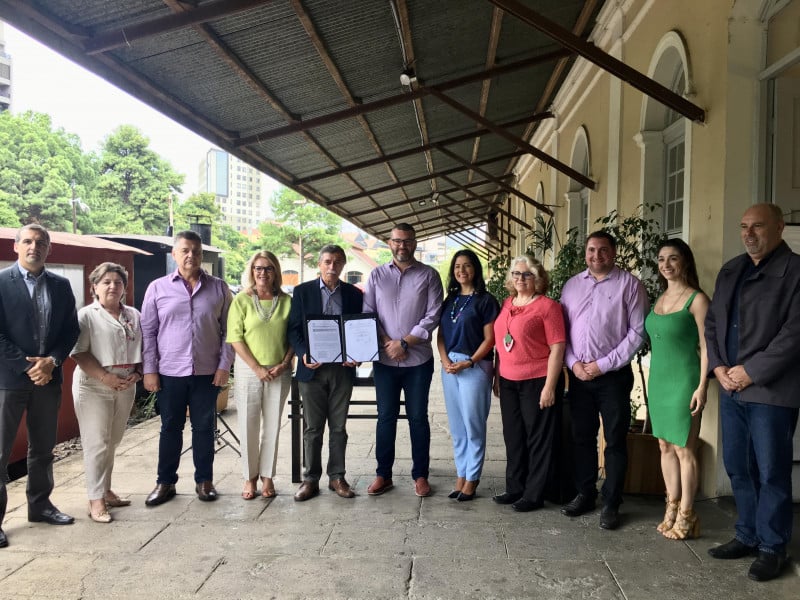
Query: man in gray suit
[[38, 328]]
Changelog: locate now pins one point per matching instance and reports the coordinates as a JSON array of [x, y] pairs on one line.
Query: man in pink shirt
[[604, 309], [186, 360]]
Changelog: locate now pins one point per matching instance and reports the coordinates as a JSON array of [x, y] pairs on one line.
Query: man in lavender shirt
[[407, 296], [186, 360], [604, 308]]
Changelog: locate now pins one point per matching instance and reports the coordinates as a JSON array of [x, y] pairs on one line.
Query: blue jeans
[[178, 393], [757, 450], [415, 383], [467, 396]]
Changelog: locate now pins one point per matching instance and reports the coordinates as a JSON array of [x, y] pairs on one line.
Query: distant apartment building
[[5, 72], [239, 188]]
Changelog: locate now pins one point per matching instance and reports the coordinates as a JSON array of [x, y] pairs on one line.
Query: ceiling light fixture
[[422, 202], [407, 77], [435, 197]]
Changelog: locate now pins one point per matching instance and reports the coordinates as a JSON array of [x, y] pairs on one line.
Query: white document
[[324, 341], [361, 339]]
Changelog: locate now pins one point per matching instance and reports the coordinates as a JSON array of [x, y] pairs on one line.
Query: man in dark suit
[[325, 388], [38, 328], [752, 337]]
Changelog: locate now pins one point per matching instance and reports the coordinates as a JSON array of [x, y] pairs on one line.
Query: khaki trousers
[[259, 406], [102, 417]]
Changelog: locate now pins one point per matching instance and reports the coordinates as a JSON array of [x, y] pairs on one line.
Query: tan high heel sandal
[[687, 526], [670, 514]]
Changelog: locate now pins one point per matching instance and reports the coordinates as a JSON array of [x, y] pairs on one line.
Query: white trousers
[[259, 406], [102, 417]]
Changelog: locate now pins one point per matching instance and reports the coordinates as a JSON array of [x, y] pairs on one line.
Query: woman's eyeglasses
[[521, 274], [268, 269]]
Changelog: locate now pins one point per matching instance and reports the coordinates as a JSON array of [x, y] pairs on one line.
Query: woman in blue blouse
[[465, 344]]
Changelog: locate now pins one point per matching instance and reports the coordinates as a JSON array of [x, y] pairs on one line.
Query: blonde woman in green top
[[257, 323]]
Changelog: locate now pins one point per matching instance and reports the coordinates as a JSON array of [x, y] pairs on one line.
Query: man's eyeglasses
[[521, 274], [267, 269], [399, 242]]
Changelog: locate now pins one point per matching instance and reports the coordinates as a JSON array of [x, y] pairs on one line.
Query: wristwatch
[[404, 345], [55, 361]]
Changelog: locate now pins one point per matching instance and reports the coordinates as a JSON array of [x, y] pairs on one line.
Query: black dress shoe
[[52, 515], [454, 494], [205, 491], [523, 505], [3, 539], [579, 505], [462, 497], [731, 550], [767, 566], [160, 494], [609, 517], [506, 498]]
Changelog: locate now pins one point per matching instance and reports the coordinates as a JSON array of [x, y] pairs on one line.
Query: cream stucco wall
[[725, 46]]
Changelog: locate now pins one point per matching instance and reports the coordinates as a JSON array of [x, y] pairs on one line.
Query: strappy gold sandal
[[669, 515]]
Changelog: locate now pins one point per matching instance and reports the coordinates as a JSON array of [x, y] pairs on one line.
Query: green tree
[[134, 184], [296, 217], [198, 208], [237, 250], [8, 216], [40, 168]]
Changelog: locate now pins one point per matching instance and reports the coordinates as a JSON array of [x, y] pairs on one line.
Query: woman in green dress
[[677, 384]]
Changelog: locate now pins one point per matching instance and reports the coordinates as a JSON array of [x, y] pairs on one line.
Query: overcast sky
[[86, 105]]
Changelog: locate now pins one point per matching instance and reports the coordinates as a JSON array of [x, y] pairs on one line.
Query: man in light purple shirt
[[186, 360], [604, 309], [407, 296]]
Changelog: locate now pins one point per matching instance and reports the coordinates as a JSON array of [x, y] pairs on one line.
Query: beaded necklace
[[262, 314], [455, 312]]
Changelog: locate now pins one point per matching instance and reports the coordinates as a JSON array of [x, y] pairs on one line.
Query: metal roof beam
[[603, 60], [450, 208], [497, 180], [473, 196], [419, 149], [353, 111], [518, 142], [420, 179], [467, 243], [125, 36], [425, 197]]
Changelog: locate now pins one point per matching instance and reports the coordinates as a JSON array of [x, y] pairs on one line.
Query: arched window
[[664, 140], [578, 194]]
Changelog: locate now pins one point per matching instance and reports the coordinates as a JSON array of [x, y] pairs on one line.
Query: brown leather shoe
[[341, 487], [308, 489], [205, 491], [421, 487], [379, 486], [160, 494]]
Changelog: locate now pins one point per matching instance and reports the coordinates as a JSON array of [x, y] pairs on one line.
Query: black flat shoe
[[732, 550], [578, 506], [3, 539], [767, 566], [462, 497], [454, 494], [524, 505], [53, 516], [609, 517], [506, 498]]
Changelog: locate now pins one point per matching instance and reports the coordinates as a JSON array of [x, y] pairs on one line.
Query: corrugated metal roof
[[253, 75]]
